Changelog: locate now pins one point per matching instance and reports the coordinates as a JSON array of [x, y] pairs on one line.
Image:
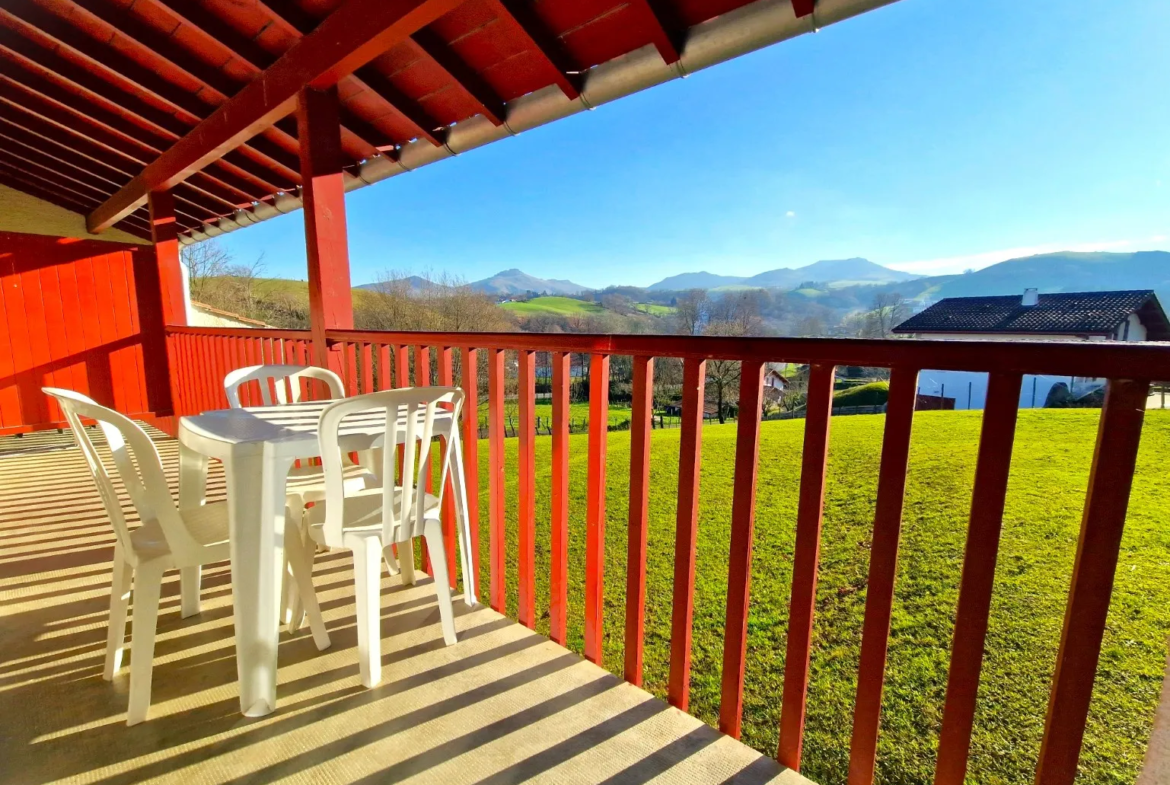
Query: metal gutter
[[744, 30]]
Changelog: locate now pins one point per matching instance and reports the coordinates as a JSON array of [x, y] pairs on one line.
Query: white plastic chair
[[281, 385], [167, 539], [368, 522]]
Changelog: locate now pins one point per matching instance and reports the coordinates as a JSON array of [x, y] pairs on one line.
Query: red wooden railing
[[203, 356]]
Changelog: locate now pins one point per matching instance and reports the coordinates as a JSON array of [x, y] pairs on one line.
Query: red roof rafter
[[547, 46], [351, 36], [666, 30], [368, 78], [803, 7], [33, 22], [242, 172]]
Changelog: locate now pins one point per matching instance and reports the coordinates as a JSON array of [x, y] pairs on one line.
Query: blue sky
[[929, 135]]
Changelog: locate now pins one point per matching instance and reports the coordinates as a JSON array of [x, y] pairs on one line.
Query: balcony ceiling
[[91, 91]]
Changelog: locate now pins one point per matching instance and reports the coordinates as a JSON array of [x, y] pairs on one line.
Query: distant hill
[[1066, 271], [685, 281], [838, 272], [518, 282], [417, 284]]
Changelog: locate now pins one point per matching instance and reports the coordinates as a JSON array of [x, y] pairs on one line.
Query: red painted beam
[[686, 532], [883, 570], [595, 507], [558, 586], [330, 295], [983, 530], [641, 423], [802, 603], [351, 36], [490, 104], [1098, 547], [739, 563]]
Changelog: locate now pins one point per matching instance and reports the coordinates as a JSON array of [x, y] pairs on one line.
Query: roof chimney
[[1031, 297]]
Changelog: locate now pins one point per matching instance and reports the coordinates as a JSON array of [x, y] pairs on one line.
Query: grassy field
[[618, 414], [655, 309], [563, 306], [1049, 475]]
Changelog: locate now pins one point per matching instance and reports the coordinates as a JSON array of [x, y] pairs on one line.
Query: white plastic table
[[258, 446]]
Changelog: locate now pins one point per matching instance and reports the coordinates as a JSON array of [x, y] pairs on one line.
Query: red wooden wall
[[80, 314]]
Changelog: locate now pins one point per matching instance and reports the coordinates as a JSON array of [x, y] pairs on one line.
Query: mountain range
[[518, 282], [839, 272]]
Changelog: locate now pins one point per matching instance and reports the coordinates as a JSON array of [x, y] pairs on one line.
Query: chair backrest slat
[[137, 463], [284, 380], [410, 416]]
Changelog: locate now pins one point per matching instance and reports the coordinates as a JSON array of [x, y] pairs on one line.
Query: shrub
[[872, 394]]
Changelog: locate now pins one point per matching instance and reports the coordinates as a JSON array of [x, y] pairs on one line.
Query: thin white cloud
[[957, 264], [790, 214]]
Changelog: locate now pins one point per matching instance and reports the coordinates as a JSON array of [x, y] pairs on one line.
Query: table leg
[[192, 493], [256, 514]]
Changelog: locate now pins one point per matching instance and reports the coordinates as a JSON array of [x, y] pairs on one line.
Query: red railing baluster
[[496, 541], [558, 585], [810, 506], [1102, 524], [445, 377], [367, 368], [641, 414], [351, 373], [739, 565], [686, 532], [595, 507], [384, 367], [983, 530], [401, 366], [883, 569], [422, 378], [471, 450], [526, 471]]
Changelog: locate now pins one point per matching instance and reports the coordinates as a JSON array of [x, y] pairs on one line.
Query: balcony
[[509, 702]]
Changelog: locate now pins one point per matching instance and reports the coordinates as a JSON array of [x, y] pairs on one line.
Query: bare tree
[[205, 262], [889, 310], [690, 313]]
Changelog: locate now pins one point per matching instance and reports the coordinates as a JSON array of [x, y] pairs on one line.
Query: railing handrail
[[1098, 359]]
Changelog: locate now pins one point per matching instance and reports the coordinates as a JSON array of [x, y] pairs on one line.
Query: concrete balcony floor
[[503, 705]]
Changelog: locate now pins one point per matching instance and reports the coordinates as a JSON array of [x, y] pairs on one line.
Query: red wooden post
[[595, 507], [1102, 524], [384, 367], [168, 288], [471, 450], [739, 565], [496, 542], [883, 569], [810, 506], [558, 585], [686, 532], [323, 193], [526, 512], [983, 530], [641, 416], [445, 376]]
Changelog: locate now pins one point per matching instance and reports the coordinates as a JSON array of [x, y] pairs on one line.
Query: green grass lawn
[[1046, 494], [578, 412], [564, 306]]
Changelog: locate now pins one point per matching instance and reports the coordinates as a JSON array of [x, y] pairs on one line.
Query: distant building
[[1066, 316]]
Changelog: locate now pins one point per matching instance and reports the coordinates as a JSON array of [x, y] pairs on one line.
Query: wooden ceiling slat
[[103, 159], [143, 116], [546, 45], [191, 109], [108, 129], [490, 104]]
